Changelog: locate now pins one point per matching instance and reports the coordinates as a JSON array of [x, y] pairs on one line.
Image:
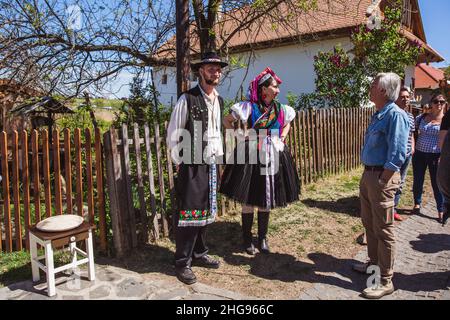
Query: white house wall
[[294, 64], [409, 75], [167, 92]]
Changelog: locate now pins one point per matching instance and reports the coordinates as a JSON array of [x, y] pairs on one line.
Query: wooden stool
[[54, 240]]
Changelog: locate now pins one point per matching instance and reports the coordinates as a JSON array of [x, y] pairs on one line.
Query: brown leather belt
[[374, 168]]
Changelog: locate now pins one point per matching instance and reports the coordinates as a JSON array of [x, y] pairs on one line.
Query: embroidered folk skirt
[[196, 189], [246, 184]]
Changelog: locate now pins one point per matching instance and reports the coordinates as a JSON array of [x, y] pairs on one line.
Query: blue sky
[[435, 16]]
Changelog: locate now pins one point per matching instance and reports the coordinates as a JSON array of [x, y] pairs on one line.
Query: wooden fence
[[322, 142], [46, 175], [327, 141], [140, 185], [140, 175]]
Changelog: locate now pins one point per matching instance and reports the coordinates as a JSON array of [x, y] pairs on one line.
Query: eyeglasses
[[439, 101]]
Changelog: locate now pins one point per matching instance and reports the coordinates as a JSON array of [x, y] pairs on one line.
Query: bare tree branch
[[39, 47]]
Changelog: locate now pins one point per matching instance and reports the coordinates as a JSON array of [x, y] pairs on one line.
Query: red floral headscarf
[[260, 78]]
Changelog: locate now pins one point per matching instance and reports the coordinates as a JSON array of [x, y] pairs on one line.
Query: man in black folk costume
[[196, 118]]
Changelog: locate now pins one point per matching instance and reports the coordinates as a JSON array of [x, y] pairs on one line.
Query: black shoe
[[207, 262], [263, 225], [250, 249], [186, 275], [445, 217], [247, 222], [264, 246]]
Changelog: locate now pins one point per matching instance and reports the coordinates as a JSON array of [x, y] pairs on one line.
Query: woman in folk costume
[[270, 181]]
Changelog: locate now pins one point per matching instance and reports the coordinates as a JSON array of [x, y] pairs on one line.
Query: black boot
[[263, 225], [247, 222], [446, 214]]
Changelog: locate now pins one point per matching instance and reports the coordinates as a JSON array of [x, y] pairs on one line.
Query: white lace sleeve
[[241, 110], [289, 114]]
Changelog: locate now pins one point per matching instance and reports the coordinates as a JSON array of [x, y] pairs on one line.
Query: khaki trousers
[[377, 214]]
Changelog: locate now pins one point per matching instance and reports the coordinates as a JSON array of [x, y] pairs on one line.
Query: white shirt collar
[[215, 94]]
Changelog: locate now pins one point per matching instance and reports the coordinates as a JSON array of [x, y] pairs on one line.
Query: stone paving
[[114, 283], [422, 265], [422, 271]]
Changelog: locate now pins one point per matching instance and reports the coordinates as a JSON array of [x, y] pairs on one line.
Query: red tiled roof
[[427, 77], [330, 18]]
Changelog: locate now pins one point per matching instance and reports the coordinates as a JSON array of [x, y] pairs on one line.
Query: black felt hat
[[209, 58]]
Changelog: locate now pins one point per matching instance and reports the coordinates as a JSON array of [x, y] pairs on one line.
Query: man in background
[[403, 102]]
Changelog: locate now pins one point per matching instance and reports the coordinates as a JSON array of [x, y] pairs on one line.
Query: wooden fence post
[[161, 181], [68, 171], [26, 186], [114, 177], [100, 190], [15, 185], [126, 186], [89, 175], [6, 196], [140, 181], [153, 218], [57, 172], [46, 169], [36, 180], [78, 171]]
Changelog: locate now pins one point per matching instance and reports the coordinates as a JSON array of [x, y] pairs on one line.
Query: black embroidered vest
[[198, 113]]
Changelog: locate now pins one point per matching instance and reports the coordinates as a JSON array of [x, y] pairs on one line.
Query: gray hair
[[390, 82]]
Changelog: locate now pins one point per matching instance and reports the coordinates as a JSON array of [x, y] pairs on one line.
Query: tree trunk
[[205, 24], [182, 36]]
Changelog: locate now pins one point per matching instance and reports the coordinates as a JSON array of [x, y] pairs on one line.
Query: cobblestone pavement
[[115, 283], [422, 271], [422, 264]]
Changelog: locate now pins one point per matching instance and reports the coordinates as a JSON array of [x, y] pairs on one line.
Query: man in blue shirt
[[383, 154]]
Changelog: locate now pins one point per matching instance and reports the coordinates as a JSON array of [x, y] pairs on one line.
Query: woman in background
[[427, 152]]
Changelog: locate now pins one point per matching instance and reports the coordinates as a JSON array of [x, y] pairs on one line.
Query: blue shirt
[[386, 138]]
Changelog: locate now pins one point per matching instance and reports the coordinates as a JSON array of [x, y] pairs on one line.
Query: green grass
[[16, 266], [351, 183]]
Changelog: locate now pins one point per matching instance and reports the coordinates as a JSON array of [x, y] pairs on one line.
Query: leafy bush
[[342, 80]]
